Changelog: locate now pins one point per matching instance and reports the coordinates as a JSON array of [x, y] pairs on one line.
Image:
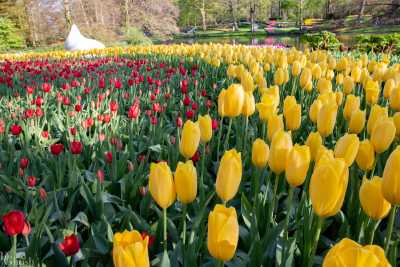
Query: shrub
[[379, 43], [9, 36], [134, 36], [323, 40]]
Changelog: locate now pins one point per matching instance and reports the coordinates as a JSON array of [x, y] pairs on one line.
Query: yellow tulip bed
[[200, 155]]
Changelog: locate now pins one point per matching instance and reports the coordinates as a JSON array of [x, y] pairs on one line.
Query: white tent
[[76, 41]]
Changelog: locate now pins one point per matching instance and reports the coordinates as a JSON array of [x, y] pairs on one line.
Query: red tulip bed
[[77, 137]]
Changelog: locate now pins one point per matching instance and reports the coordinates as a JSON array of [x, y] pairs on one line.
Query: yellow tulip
[[229, 175], [383, 134], [275, 124], [357, 121], [323, 154], [280, 147], [223, 232], [296, 68], [260, 153], [279, 77], [328, 186], [339, 98], [346, 148], [314, 142], [221, 103], [205, 125], [324, 86], [391, 178], [366, 155], [249, 105], [130, 249], [330, 74], [352, 103], [356, 74], [161, 184], [371, 198], [375, 113], [186, 182], [348, 253], [247, 82], [190, 139], [389, 86], [396, 120], [372, 92], [394, 99], [297, 164], [234, 100], [326, 119], [314, 110], [340, 80], [316, 72], [231, 71], [292, 113], [305, 77], [348, 85]]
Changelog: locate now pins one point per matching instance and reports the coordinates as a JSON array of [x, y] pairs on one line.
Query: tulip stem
[[165, 228], [315, 241], [245, 134], [203, 161], [184, 211], [14, 251], [373, 224], [220, 264], [272, 208], [219, 136], [289, 209], [228, 133], [390, 229]]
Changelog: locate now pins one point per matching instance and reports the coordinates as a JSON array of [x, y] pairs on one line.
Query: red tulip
[[31, 181], [45, 134], [78, 107], [15, 129], [56, 149], [100, 175], [46, 87], [72, 131], [186, 101], [152, 238], [27, 229], [153, 120], [13, 222], [76, 147], [179, 122], [214, 124], [23, 163], [70, 246], [134, 111], [42, 193], [113, 106], [109, 157]]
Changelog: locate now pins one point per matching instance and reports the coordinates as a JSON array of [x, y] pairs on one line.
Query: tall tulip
[[130, 249], [223, 232], [280, 147], [372, 92], [229, 175], [292, 113], [314, 142], [205, 124], [347, 147], [315, 107], [357, 121], [383, 134], [372, 200], [297, 164], [275, 124], [190, 139], [352, 104], [348, 85], [234, 100], [161, 184], [249, 105], [221, 103], [375, 113], [186, 182], [326, 119], [366, 155]]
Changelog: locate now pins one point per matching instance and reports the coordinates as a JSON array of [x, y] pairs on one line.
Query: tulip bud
[[186, 182], [249, 105], [389, 86], [297, 164], [375, 113], [346, 148], [190, 139], [356, 74], [352, 104], [205, 125], [296, 68], [357, 121], [305, 77], [371, 198], [314, 110], [234, 100], [161, 184], [279, 77], [223, 232], [314, 142], [324, 86], [316, 72], [221, 103], [280, 147], [229, 175], [326, 119], [328, 186], [383, 134], [130, 249], [292, 113], [372, 92], [366, 155], [391, 178], [340, 80], [260, 153], [394, 99]]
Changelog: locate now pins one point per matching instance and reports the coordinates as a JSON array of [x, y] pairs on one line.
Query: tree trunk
[[279, 9], [327, 8], [362, 7], [300, 15], [67, 13], [252, 15], [30, 28], [203, 15], [126, 13], [232, 9]]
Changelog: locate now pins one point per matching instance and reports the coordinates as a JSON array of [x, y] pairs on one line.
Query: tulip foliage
[[200, 155]]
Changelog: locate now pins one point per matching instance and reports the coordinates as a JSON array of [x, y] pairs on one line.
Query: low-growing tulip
[[347, 147], [223, 232], [280, 147], [190, 139], [366, 155], [229, 175], [297, 164], [328, 186], [383, 134], [186, 182], [130, 249], [70, 246], [260, 153], [161, 184], [372, 200], [13, 222]]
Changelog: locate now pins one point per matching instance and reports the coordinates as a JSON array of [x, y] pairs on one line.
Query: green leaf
[[165, 260]]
